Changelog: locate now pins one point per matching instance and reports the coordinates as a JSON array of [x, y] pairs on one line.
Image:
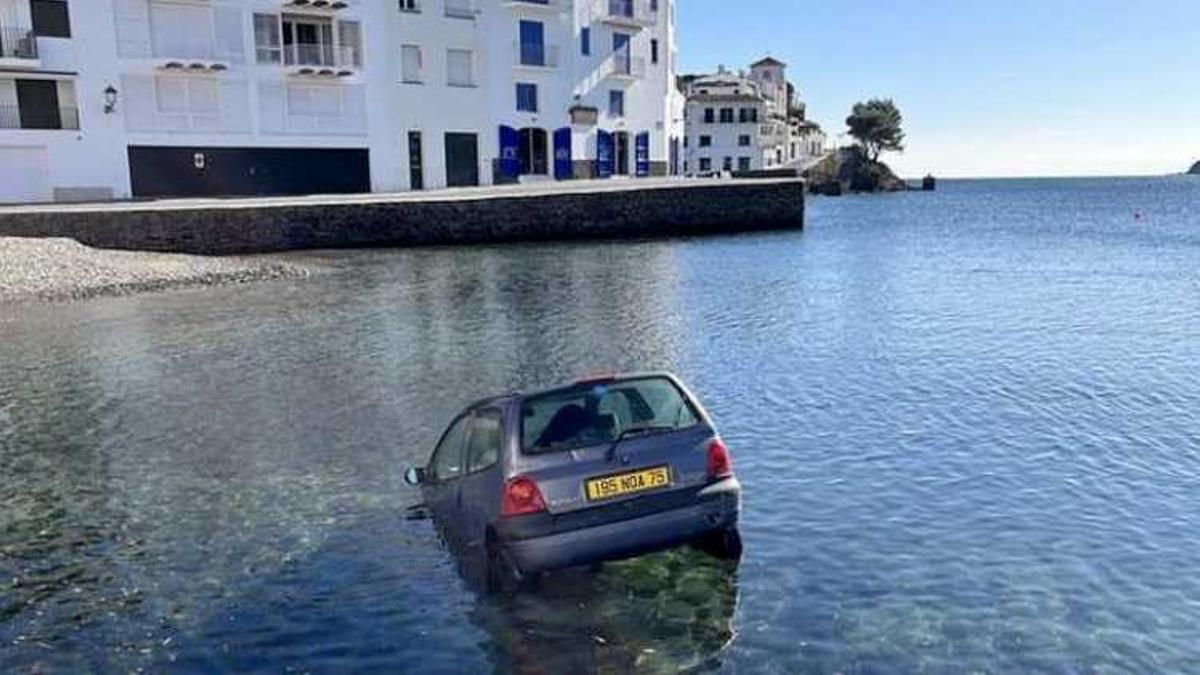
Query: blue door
[[533, 43], [604, 154], [510, 153], [642, 153], [562, 154]]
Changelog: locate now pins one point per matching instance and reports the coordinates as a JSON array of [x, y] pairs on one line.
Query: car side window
[[447, 458], [483, 448]]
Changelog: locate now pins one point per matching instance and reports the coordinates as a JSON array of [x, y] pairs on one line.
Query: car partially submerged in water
[[601, 469]]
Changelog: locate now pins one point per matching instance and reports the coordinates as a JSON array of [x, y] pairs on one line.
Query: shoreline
[[62, 270]]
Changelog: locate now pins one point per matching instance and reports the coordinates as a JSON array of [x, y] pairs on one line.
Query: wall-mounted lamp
[[110, 99]]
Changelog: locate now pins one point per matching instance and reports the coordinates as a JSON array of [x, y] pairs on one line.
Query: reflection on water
[[965, 422], [661, 613]]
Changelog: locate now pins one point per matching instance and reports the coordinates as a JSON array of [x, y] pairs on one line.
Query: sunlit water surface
[[968, 425]]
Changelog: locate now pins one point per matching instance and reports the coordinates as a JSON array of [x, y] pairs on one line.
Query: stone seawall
[[222, 227]]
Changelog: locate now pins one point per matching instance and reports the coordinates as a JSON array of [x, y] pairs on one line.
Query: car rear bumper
[[713, 507]]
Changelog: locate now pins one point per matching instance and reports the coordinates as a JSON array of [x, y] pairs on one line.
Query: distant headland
[[1195, 170]]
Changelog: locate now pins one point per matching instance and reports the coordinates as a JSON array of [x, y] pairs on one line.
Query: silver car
[[601, 469]]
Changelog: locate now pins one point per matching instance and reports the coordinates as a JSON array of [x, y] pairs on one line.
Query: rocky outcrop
[[1195, 170], [853, 171]]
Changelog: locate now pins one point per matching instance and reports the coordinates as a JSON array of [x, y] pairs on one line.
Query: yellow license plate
[[628, 483]]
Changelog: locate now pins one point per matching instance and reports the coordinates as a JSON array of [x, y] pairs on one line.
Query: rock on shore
[[853, 172], [64, 269], [1195, 170]]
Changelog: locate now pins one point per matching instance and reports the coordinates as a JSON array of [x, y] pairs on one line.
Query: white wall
[[128, 44]]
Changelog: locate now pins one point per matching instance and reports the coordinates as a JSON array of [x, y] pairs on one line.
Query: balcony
[[319, 5], [623, 66], [773, 134], [51, 119], [535, 55], [321, 59], [18, 43], [635, 14], [536, 6]]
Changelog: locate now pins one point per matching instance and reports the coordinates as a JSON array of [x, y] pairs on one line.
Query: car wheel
[[725, 543]]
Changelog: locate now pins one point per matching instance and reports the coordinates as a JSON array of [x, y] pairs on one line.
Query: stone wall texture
[[706, 208]]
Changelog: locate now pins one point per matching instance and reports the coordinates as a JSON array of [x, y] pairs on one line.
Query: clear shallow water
[[968, 424]]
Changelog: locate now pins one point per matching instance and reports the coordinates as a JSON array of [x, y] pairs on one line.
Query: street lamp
[[110, 99]]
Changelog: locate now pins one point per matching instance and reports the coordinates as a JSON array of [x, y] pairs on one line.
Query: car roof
[[601, 378]]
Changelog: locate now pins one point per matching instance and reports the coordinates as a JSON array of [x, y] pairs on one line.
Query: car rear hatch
[[615, 441], [642, 467]]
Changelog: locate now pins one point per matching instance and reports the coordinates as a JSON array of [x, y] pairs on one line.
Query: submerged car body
[[602, 469]]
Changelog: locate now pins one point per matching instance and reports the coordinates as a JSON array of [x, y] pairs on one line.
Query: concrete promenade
[[564, 210]]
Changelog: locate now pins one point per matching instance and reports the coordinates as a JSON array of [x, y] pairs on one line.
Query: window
[[705, 141], [410, 63], [307, 40], [350, 43], [173, 31], [585, 41], [410, 6], [314, 101], [527, 98], [705, 164], [654, 51], [460, 9], [483, 448], [616, 103], [708, 116], [744, 140], [726, 115], [460, 68], [447, 458], [560, 421], [532, 43], [751, 114], [727, 164], [267, 45], [743, 163], [50, 18], [187, 95]]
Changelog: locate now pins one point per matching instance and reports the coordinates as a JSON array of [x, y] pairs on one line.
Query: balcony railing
[[66, 118], [622, 64], [629, 12], [321, 55], [17, 43], [537, 55]]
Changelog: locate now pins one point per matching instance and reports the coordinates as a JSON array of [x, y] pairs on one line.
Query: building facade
[[746, 121], [115, 99]]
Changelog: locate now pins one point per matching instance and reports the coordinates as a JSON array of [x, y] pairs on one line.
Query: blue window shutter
[[585, 41], [563, 168], [510, 155], [604, 154], [642, 153]]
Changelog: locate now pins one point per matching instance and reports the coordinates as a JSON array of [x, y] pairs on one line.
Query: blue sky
[[1021, 87]]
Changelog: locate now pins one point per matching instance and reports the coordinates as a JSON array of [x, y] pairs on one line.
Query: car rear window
[[591, 414]]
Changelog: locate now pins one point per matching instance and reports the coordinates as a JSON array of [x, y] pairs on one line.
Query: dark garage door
[[462, 160], [228, 172]]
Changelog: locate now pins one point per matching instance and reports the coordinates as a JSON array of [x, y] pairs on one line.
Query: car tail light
[[720, 465], [521, 497]]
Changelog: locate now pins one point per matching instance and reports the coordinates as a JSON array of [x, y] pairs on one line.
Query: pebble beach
[[33, 269]]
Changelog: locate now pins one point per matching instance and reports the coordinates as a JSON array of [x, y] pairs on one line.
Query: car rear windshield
[[595, 413]]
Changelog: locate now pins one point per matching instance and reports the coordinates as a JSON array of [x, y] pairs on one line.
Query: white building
[[746, 121], [103, 99]]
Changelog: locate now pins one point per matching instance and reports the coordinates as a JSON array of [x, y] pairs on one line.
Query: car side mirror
[[415, 476]]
